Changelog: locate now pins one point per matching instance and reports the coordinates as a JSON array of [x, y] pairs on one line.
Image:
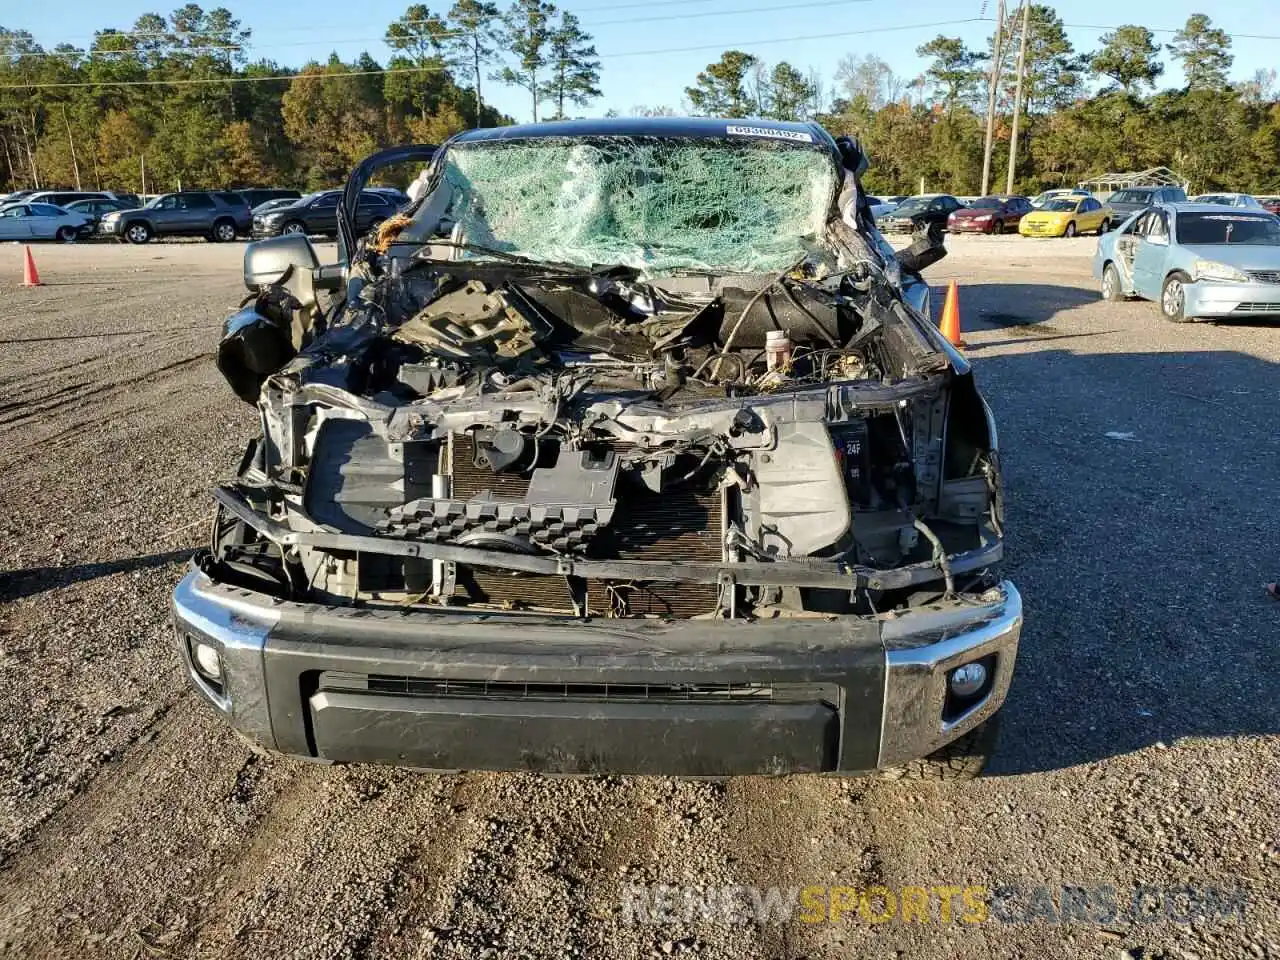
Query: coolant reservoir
[[777, 349]]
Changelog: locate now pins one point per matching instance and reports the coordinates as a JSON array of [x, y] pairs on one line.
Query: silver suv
[[215, 215]]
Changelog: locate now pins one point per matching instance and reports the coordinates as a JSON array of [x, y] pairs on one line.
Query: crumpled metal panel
[[799, 496]]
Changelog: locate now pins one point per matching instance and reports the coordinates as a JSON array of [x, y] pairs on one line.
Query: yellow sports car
[[1066, 217]]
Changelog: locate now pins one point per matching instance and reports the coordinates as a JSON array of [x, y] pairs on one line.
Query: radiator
[[685, 524]]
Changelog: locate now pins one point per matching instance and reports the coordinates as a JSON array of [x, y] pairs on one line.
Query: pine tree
[[1129, 56], [526, 34], [473, 27], [721, 89], [1205, 53], [575, 71]]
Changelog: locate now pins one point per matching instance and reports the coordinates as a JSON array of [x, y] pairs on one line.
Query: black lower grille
[[507, 690], [682, 524]]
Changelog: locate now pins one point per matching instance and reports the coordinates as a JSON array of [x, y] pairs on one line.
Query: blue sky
[[807, 33]]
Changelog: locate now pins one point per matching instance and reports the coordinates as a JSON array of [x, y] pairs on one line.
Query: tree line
[[1085, 112], [177, 101]]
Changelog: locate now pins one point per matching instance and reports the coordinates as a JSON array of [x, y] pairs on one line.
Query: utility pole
[[1017, 95], [992, 84]]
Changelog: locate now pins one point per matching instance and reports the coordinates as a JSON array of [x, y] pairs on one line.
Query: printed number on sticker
[[798, 135]]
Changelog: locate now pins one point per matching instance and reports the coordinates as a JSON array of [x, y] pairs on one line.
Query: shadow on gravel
[[16, 584], [81, 336], [1235, 322], [1037, 336], [1140, 557], [1001, 305]]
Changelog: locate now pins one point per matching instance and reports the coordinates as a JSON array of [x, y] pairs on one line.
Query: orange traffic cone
[[950, 325], [30, 275]]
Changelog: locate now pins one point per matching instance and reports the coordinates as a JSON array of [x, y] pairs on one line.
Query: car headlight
[[983, 219], [111, 217], [1212, 270]]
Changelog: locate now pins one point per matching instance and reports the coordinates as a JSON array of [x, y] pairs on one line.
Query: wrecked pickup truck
[[628, 448]]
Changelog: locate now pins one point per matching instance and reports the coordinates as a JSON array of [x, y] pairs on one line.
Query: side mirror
[[268, 261], [290, 260]]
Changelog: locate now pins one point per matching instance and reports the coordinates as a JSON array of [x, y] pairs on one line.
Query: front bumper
[[261, 231], [109, 228], [1038, 229], [449, 689], [1221, 299], [895, 225], [969, 225]]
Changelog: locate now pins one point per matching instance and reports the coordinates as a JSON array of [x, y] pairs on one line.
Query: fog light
[[207, 660], [968, 680]]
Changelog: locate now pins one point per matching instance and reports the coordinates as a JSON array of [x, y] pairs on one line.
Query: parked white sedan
[[42, 221], [1229, 200]]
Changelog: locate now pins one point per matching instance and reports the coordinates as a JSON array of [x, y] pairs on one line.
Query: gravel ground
[[1140, 739]]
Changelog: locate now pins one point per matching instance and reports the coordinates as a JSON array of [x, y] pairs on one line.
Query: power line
[[608, 8], [722, 45], [1230, 36], [167, 34], [446, 34], [135, 52], [811, 37]]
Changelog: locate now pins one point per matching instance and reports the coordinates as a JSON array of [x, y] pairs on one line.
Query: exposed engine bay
[[465, 421]]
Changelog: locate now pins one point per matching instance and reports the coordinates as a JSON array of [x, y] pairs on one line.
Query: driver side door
[[45, 220], [15, 223], [166, 215], [1089, 217], [1128, 240], [1148, 264], [322, 215]]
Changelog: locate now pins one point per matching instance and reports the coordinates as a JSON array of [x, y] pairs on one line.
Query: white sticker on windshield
[[799, 136]]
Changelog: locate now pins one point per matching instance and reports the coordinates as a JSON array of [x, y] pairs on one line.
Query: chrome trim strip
[[916, 673], [239, 624], [234, 621]]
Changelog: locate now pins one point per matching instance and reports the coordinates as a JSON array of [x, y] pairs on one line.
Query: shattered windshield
[[659, 205], [1208, 228]]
